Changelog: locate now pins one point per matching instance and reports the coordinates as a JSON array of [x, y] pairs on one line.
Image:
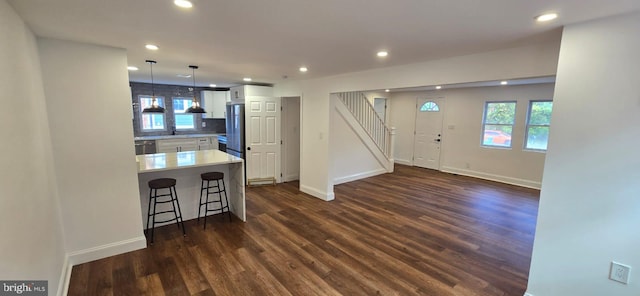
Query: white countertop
[[181, 160], [175, 136]]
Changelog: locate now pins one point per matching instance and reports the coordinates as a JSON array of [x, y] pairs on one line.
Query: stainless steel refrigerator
[[235, 130]]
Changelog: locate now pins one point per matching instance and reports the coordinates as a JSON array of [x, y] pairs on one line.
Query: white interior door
[[290, 139], [428, 136], [262, 117]]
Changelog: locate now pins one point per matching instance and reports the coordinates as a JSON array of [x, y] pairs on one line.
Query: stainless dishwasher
[[145, 147]]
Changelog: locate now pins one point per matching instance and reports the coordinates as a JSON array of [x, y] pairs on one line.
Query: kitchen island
[[186, 168]]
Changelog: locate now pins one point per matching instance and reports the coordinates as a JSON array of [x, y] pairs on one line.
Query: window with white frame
[[183, 120], [538, 121], [497, 126], [151, 121]]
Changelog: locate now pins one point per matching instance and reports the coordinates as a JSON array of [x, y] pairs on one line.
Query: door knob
[[248, 148]]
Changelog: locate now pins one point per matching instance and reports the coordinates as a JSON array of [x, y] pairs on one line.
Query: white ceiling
[[265, 40]]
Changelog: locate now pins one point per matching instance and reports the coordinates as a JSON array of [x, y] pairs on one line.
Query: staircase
[[378, 137]]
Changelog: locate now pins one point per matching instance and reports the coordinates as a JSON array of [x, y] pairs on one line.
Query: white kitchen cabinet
[[176, 145], [214, 102], [214, 142], [208, 143], [239, 93]]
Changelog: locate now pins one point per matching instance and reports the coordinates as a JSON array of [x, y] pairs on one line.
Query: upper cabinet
[[214, 102], [239, 93]]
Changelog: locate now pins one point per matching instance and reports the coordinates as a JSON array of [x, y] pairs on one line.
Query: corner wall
[[590, 200], [32, 244], [89, 108]]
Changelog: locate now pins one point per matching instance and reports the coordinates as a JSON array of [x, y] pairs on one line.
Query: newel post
[[392, 140]]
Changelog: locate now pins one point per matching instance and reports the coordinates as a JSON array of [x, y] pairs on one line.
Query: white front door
[[428, 137], [262, 116]]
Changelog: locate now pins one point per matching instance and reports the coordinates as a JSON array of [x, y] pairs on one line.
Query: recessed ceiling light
[[184, 75], [246, 79], [438, 87], [183, 3], [151, 47], [383, 54], [546, 17], [132, 68], [387, 90], [303, 69], [212, 85], [504, 82]]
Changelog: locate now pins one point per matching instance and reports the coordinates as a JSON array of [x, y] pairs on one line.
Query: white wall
[[589, 210], [530, 61], [350, 156], [89, 108], [32, 244], [462, 131]]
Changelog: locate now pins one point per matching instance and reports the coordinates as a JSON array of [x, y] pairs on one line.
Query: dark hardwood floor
[[413, 232]]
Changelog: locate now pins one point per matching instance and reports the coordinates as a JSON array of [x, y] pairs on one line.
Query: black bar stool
[[212, 188], [164, 183]]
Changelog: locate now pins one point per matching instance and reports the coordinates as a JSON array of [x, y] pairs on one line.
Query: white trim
[[528, 294], [403, 162], [317, 193], [492, 177], [99, 252], [65, 277], [358, 176]]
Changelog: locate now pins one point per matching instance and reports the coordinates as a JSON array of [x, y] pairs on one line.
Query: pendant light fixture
[[154, 108], [195, 105]]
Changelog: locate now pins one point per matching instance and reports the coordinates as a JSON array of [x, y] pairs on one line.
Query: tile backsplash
[[168, 92]]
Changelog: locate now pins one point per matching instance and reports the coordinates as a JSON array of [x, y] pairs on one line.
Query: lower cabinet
[[186, 144], [176, 145], [208, 143]]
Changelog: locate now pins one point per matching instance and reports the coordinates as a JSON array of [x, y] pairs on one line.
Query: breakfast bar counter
[[186, 168]]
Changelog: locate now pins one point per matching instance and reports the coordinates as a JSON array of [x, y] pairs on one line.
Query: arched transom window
[[429, 106]]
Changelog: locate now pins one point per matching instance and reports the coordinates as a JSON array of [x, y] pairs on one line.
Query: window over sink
[[151, 121], [183, 120]]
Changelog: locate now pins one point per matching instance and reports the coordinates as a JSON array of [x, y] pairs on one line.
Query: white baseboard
[[404, 162], [528, 294], [99, 252], [317, 193], [358, 176], [65, 277], [492, 177]]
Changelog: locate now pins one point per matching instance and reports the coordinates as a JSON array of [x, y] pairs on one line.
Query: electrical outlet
[[204, 124], [619, 272]]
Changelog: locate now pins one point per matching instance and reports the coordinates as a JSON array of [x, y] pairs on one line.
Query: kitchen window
[[151, 121], [183, 120], [497, 126], [538, 121]]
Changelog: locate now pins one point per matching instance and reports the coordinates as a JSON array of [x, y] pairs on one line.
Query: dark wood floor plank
[[80, 278], [123, 272], [268, 284], [100, 278], [411, 232], [148, 285]]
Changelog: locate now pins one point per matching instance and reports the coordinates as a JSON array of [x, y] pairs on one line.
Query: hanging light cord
[[193, 75], [153, 92]]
